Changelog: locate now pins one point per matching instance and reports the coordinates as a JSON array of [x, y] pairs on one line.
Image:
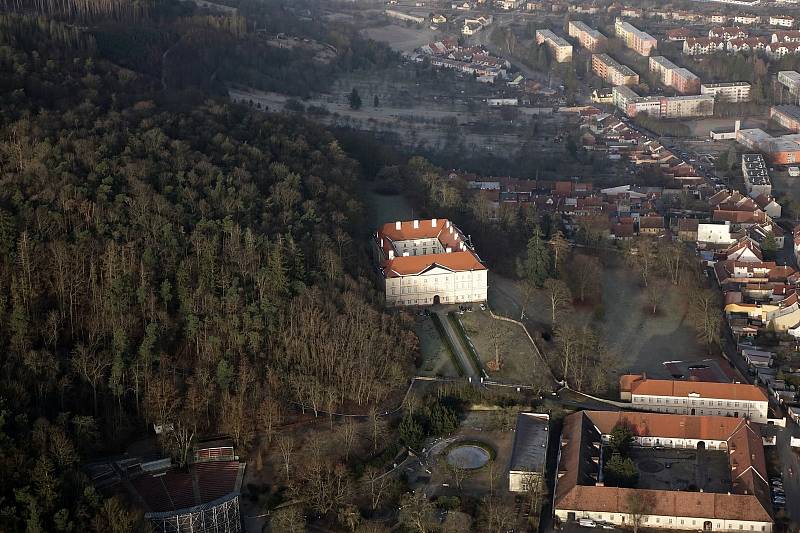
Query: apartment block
[[671, 75], [612, 71], [733, 92], [787, 116], [562, 50], [587, 36], [756, 177], [791, 80], [665, 107], [640, 42]]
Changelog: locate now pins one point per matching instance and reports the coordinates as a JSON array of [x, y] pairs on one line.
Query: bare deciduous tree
[[559, 296]]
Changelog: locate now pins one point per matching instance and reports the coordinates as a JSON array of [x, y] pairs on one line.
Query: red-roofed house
[[426, 262]]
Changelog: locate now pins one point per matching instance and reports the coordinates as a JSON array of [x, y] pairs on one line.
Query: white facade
[[428, 262], [437, 285], [694, 404], [714, 233], [687, 523], [734, 92]]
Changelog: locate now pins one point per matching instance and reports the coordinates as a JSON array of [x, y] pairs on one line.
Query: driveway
[[455, 341]]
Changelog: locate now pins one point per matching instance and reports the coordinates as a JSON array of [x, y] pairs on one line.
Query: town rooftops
[[699, 389], [529, 452]]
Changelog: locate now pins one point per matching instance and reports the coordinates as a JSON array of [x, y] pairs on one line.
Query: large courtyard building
[[427, 262], [640, 42], [612, 71], [587, 37], [716, 478], [561, 49], [701, 398], [733, 92], [671, 75]]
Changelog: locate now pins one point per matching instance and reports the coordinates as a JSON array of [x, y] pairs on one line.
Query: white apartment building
[[733, 92], [427, 262], [699, 398], [784, 21], [790, 79]]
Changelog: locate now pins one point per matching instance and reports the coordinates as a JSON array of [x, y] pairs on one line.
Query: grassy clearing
[[519, 362]]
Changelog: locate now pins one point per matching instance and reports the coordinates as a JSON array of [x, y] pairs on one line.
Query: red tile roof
[[722, 391]]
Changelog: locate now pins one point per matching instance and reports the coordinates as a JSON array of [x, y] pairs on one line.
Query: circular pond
[[468, 456]]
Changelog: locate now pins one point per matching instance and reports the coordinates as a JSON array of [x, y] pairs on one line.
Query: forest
[[166, 258]]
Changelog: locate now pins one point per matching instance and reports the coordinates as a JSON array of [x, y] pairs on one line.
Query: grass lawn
[[639, 340], [519, 362], [436, 360]]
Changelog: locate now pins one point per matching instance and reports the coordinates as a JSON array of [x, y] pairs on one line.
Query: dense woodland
[[164, 259]]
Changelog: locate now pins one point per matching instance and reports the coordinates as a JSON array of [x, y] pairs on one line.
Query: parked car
[[586, 522]]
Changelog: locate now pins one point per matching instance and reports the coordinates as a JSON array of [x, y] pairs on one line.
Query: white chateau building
[[426, 262], [701, 398]]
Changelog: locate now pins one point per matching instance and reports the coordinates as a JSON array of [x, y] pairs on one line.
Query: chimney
[[381, 242], [737, 125], [463, 246], [434, 222], [447, 224], [398, 225], [456, 236], [391, 254], [416, 224], [448, 250]]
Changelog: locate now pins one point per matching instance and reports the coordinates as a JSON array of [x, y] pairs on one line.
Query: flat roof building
[[640, 42], [787, 116], [732, 91], [587, 36], [671, 75], [529, 452], [756, 177], [612, 71], [662, 106], [561, 49], [791, 80]]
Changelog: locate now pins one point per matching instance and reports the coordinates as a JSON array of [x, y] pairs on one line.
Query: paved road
[[455, 340], [790, 459]]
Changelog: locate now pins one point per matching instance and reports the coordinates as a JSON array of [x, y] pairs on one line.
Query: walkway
[[455, 340]]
